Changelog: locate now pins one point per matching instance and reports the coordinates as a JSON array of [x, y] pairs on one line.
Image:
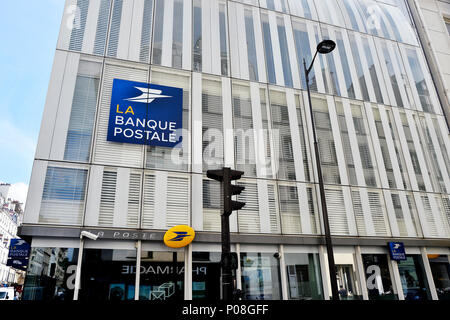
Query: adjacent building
[[383, 139], [11, 215]]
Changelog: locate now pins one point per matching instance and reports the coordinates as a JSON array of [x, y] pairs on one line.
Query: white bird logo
[[148, 95]]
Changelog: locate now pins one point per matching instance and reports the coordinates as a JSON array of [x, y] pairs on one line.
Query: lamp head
[[326, 46]]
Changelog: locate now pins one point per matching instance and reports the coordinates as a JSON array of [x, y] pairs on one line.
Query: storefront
[[109, 271]]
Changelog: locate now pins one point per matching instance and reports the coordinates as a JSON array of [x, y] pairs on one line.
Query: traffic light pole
[[225, 176], [227, 276], [326, 224]]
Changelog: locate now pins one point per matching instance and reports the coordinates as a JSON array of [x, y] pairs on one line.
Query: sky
[[28, 31]]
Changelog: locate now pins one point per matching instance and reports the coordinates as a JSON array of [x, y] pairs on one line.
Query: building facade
[[383, 140], [433, 25], [11, 215]]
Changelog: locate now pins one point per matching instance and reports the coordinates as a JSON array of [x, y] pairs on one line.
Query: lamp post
[[324, 47]]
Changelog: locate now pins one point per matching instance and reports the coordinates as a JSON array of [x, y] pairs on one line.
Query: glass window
[[372, 69], [51, 274], [348, 284], [63, 188], [102, 28], [268, 48], [146, 35], [389, 61], [303, 273], [158, 32], [251, 45], [223, 39], [440, 268], [114, 29], [345, 65], [353, 15], [289, 209], [412, 276], [260, 276], [197, 36], [77, 35], [331, 67], [419, 79], [108, 274], [162, 276], [303, 47], [378, 277], [359, 67], [284, 52], [177, 45], [206, 275], [211, 207], [303, 8], [82, 116]]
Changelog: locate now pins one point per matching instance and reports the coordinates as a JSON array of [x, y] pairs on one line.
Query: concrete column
[[428, 274]]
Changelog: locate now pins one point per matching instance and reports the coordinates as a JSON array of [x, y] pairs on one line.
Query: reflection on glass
[[412, 276], [206, 275], [251, 46], [379, 285], [108, 275], [197, 36], [303, 272], [158, 32], [440, 268], [260, 276], [162, 276], [51, 274], [268, 48], [346, 277]]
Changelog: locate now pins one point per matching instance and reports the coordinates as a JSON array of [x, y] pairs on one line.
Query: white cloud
[[14, 139], [18, 191]]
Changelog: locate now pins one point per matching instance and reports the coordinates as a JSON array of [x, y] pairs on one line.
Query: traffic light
[[229, 260], [226, 176]]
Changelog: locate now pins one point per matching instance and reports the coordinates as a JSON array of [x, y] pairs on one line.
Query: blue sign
[[20, 264], [18, 249], [397, 251], [143, 113]]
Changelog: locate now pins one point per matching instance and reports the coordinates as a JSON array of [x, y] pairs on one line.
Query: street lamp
[[324, 47]]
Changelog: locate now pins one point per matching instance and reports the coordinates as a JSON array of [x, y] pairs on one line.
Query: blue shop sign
[[18, 249], [397, 251], [143, 113], [20, 264]]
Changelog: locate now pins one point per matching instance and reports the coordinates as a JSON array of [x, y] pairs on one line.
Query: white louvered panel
[[359, 213], [211, 205], [63, 196], [446, 204], [274, 217], [399, 214], [114, 153], [148, 212], [314, 218], [289, 209], [336, 212], [134, 200], [444, 213], [107, 199], [61, 212], [378, 214], [248, 217], [161, 157], [429, 216], [177, 201], [212, 122]]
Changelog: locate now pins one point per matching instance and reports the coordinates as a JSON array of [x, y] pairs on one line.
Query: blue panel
[[143, 113]]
